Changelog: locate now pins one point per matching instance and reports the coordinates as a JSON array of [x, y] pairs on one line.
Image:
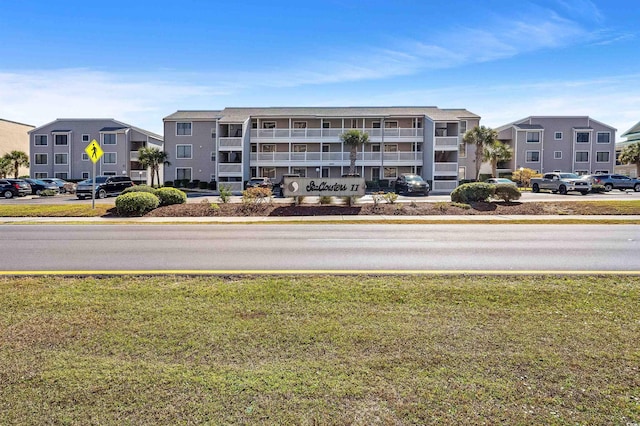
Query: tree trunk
[[352, 158], [478, 160], [494, 169], [638, 169]]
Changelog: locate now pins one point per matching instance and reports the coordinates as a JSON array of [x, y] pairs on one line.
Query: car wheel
[[608, 187], [38, 192], [562, 190], [584, 192], [102, 194], [7, 194], [636, 187], [535, 188], [80, 197]]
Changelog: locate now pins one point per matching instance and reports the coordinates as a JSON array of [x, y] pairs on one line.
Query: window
[[602, 156], [601, 172], [40, 140], [375, 147], [326, 124], [582, 156], [462, 150], [61, 159], [603, 137], [213, 134], [302, 171], [354, 123], [183, 129], [532, 156], [375, 173], [390, 124], [40, 175], [62, 175], [462, 173], [325, 172], [581, 172], [299, 124], [85, 175], [557, 155], [269, 172], [41, 159], [299, 148], [183, 173], [463, 127], [109, 173], [183, 151], [85, 156], [533, 137], [109, 139], [268, 148], [213, 156], [391, 148], [86, 138], [557, 136], [390, 172], [325, 148], [582, 137], [61, 139], [375, 124], [109, 158], [268, 124]]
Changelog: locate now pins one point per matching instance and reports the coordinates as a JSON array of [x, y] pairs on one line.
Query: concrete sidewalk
[[324, 219]]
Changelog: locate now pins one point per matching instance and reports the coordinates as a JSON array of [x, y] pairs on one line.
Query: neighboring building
[[231, 146], [633, 136], [57, 149], [567, 144], [14, 137]]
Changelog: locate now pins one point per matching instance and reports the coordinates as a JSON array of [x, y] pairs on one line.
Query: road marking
[[316, 272]]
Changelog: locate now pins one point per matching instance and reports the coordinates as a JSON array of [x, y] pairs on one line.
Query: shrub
[[377, 197], [225, 194], [169, 196], [168, 183], [472, 192], [257, 195], [506, 192], [136, 203], [598, 189], [391, 197], [177, 183], [203, 185], [215, 207], [461, 205], [48, 193], [139, 188]]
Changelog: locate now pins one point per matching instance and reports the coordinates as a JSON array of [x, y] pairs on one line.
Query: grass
[[53, 210], [320, 350]]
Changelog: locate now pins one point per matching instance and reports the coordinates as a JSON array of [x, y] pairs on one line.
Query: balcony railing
[[134, 155], [333, 133], [446, 142], [315, 157], [138, 175], [444, 185], [445, 169], [229, 168], [230, 142]]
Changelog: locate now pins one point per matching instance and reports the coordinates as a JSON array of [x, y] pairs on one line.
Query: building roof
[[118, 125], [524, 122], [239, 115], [113, 129], [634, 129], [529, 126], [15, 122]]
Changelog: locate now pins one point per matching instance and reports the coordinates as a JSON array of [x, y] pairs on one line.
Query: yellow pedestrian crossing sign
[[94, 151]]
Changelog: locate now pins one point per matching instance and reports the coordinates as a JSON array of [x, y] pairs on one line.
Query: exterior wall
[[80, 133], [15, 137], [202, 144]]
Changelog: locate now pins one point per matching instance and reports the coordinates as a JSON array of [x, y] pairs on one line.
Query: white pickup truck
[[561, 182]]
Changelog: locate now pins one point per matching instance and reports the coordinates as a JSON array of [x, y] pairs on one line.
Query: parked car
[[63, 185], [504, 181], [38, 185], [105, 186], [259, 182], [14, 188], [562, 183], [410, 183], [620, 182], [281, 183]]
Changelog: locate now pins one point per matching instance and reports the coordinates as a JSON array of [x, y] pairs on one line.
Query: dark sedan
[[411, 184], [37, 186], [14, 187]]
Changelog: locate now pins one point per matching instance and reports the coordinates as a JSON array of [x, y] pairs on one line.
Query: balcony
[[134, 155], [230, 143], [444, 185], [230, 169], [333, 135], [138, 175], [410, 158], [445, 169], [446, 143]]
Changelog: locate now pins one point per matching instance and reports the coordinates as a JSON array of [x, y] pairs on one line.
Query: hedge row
[[480, 191]]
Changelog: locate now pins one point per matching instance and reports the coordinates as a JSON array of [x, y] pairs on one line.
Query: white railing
[[230, 142], [444, 185], [446, 142], [138, 175], [230, 168], [134, 155], [332, 133], [312, 156], [445, 168]]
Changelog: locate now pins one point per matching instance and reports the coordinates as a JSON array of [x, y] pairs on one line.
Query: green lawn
[[53, 210], [320, 350]]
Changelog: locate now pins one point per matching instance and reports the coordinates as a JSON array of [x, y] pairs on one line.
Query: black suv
[[410, 183], [616, 182], [14, 187], [105, 186]]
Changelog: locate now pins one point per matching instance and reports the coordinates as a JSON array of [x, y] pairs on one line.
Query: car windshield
[[99, 179], [414, 179], [569, 176]]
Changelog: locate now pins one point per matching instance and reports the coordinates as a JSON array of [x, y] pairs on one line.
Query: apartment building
[[14, 137], [58, 148], [232, 145], [550, 143], [633, 136]]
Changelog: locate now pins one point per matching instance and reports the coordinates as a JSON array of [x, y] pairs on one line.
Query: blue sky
[[139, 61]]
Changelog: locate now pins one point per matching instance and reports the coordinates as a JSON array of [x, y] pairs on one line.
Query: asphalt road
[[340, 247]]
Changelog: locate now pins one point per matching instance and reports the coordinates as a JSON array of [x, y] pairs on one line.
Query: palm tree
[[152, 158], [5, 167], [481, 137], [18, 159], [354, 138], [496, 153], [631, 155]]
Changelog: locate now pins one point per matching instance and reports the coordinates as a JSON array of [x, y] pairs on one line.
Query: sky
[[139, 61]]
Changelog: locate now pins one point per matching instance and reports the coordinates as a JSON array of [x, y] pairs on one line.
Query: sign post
[[94, 152]]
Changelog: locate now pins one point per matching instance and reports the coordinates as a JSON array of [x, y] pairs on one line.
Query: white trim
[[556, 157], [88, 137], [60, 134], [389, 122], [60, 164], [464, 172], [603, 152], [575, 157], [532, 151], [115, 138], [190, 123], [184, 168], [104, 157], [46, 137], [46, 157], [603, 133], [85, 175], [299, 122], [40, 175], [85, 156], [587, 131], [555, 136], [190, 157], [526, 136]]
